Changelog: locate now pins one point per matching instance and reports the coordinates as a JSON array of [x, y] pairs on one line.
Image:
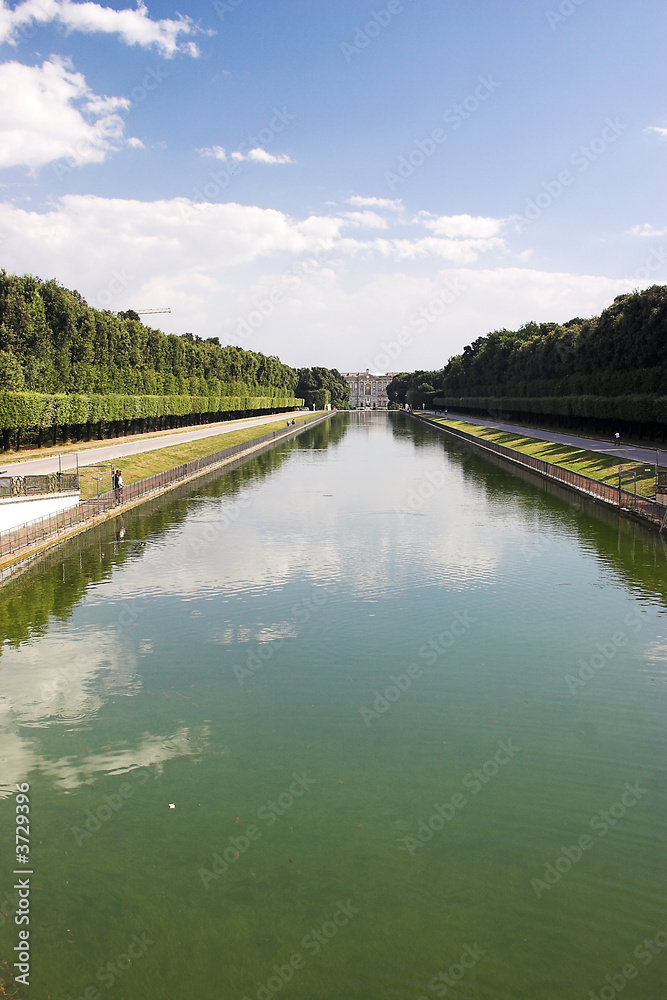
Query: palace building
[[368, 391]]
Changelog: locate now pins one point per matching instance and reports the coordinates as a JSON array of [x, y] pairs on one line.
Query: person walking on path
[[617, 439]]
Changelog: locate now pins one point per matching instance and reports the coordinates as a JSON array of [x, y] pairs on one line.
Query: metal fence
[[15, 539], [26, 486], [650, 510]]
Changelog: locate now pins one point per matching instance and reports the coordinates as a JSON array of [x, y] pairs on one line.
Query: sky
[[350, 184]]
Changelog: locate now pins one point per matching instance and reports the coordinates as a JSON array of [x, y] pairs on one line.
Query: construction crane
[[151, 312]]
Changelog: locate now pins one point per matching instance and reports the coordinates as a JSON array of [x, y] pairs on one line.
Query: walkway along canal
[[626, 502], [17, 544]]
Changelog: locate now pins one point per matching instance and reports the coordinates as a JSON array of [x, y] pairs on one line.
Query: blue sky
[[350, 184]]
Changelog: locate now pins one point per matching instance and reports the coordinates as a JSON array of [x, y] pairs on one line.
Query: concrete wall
[[20, 510]]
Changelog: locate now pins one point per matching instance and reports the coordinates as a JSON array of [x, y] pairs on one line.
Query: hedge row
[[643, 409], [20, 410]]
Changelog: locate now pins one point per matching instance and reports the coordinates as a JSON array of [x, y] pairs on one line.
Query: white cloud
[[658, 130], [48, 112], [259, 155], [456, 251], [647, 230], [461, 226], [133, 26], [339, 298], [271, 557], [148, 751], [365, 220], [215, 152], [361, 202], [66, 679]]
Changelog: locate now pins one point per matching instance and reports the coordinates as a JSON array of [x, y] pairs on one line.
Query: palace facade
[[368, 391]]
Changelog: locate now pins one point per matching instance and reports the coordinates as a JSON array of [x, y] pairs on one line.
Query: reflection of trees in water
[[406, 427], [637, 552], [56, 583], [53, 586], [327, 434]]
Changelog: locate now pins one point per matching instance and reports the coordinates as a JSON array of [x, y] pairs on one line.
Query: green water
[[234, 641]]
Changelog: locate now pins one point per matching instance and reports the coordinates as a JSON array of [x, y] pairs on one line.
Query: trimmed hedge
[[19, 410], [644, 409]]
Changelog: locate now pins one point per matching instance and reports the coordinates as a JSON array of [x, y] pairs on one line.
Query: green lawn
[[588, 463], [135, 467]]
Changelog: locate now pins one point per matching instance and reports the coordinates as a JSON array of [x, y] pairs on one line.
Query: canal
[[368, 716]]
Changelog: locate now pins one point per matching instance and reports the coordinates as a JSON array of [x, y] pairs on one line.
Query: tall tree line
[[319, 386], [51, 341], [621, 352]]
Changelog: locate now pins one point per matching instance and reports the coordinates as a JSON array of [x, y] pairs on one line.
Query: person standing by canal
[[120, 485]]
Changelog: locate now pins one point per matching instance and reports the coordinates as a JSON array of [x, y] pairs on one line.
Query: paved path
[[133, 446], [629, 452]]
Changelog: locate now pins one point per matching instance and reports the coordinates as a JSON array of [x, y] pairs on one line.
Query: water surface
[[333, 725]]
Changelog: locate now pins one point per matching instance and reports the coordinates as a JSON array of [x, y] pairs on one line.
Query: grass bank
[[148, 463], [588, 463]]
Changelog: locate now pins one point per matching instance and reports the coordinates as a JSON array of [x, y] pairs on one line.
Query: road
[[132, 446], [629, 452]]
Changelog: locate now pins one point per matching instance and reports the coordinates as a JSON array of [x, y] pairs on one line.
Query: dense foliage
[[612, 367], [314, 383], [414, 388], [20, 410], [623, 351], [51, 341]]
